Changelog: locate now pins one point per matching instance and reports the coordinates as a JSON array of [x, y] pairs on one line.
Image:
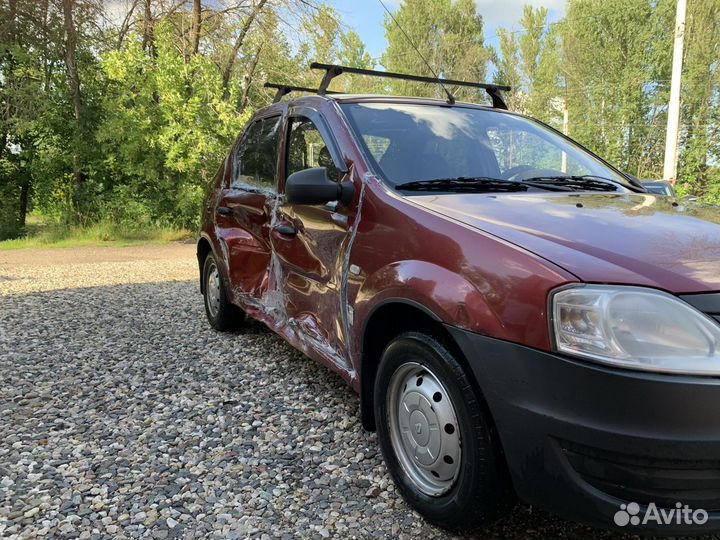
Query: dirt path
[[33, 270], [99, 254]]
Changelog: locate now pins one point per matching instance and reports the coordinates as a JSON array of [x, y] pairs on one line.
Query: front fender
[[450, 297]]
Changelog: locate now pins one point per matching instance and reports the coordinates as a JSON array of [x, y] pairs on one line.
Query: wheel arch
[[387, 320]]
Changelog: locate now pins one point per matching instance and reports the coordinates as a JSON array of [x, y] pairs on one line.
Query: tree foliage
[[126, 116], [447, 34], [610, 62]]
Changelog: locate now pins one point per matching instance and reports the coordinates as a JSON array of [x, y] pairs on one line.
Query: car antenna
[[450, 97]]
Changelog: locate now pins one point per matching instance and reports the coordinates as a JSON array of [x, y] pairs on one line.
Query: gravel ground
[[122, 415]]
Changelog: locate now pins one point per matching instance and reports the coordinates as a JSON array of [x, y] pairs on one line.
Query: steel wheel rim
[[212, 290], [424, 430]]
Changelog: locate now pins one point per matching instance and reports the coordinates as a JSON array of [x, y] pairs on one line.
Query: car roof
[[359, 98], [314, 99]]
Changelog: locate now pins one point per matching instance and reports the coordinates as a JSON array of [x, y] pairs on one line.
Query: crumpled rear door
[[245, 211]]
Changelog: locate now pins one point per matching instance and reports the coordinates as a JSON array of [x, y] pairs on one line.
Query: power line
[[450, 97]]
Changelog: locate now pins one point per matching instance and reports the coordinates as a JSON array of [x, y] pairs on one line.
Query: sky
[[366, 17]]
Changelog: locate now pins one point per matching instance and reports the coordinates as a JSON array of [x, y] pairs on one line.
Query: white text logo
[[629, 514]]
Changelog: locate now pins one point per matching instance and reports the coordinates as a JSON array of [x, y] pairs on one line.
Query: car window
[[256, 156], [307, 149], [414, 142], [517, 149], [377, 145]]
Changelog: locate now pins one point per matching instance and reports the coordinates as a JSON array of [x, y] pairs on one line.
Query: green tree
[[127, 118], [700, 138], [40, 132], [509, 72], [528, 62], [608, 67], [167, 128], [448, 34], [332, 43]]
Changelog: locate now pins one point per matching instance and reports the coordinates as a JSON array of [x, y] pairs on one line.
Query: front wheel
[[221, 313], [437, 440]]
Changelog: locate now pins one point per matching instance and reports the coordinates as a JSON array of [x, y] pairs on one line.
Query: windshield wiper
[[464, 184], [574, 182]]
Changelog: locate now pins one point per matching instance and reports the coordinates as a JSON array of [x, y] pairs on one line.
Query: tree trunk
[[9, 75], [148, 30], [125, 26], [47, 65], [24, 197], [10, 111], [247, 81], [12, 15], [227, 72], [73, 76], [196, 26]]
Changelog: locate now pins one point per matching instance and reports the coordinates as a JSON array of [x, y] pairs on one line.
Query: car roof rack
[[332, 71], [285, 89]]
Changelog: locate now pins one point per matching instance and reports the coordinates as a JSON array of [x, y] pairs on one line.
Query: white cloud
[[507, 13]]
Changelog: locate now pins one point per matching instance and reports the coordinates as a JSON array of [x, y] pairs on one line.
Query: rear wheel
[[437, 440], [221, 313]]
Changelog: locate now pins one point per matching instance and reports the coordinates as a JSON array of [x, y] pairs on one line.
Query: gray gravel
[[122, 415]]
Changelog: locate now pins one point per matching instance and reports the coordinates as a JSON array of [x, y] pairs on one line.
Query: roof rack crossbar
[[284, 89], [332, 71]]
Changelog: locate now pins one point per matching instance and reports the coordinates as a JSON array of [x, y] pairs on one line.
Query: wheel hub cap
[[424, 429], [420, 424], [212, 292]]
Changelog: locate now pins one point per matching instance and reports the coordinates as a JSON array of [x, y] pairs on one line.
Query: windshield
[[415, 143]]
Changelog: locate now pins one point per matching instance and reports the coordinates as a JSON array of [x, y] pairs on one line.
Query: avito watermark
[[629, 514]]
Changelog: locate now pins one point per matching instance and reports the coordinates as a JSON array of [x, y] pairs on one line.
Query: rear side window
[[256, 156]]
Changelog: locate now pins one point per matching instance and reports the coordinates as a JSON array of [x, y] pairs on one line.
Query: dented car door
[[245, 210], [308, 241]]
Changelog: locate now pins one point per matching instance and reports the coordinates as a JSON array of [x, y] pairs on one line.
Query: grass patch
[[100, 234]]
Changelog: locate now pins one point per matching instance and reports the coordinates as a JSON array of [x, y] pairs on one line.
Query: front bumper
[[581, 439]]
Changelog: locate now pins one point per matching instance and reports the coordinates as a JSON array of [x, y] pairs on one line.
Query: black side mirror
[[312, 186]]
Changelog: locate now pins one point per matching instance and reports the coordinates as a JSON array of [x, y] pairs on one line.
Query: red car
[[519, 318]]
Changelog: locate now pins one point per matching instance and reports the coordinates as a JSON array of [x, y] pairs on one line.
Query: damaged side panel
[[245, 206], [311, 272], [302, 293], [243, 236]]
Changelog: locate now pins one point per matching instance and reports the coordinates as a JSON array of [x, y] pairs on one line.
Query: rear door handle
[[286, 230], [224, 211]]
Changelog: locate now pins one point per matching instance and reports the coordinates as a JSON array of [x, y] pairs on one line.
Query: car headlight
[[635, 328]]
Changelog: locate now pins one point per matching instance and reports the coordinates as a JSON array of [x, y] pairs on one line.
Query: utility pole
[[566, 127], [673, 121]]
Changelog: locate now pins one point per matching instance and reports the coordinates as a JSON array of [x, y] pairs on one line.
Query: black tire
[[481, 490], [222, 314]]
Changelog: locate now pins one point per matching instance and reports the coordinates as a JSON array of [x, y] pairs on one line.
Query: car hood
[[604, 238]]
